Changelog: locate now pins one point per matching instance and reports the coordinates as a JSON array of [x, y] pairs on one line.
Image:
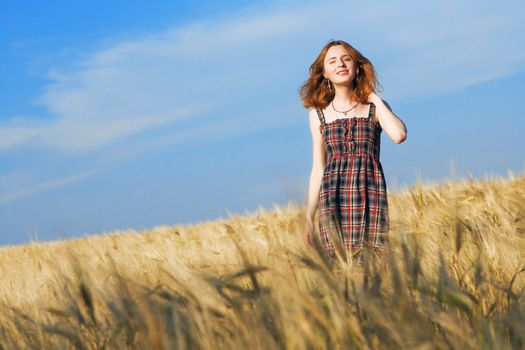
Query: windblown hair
[[315, 93]]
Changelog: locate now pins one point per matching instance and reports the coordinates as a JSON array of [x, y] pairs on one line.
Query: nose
[[342, 63]]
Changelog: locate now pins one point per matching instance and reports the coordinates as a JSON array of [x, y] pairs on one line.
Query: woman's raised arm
[[390, 123]]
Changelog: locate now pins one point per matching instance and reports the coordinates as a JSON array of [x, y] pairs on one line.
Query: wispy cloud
[[12, 136], [43, 186], [160, 79], [448, 46], [222, 77]]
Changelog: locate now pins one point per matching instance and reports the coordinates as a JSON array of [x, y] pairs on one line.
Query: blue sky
[[119, 115]]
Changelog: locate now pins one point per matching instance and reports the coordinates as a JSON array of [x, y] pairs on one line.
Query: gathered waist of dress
[[351, 154]]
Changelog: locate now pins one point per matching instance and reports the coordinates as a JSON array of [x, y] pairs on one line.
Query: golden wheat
[[453, 277]]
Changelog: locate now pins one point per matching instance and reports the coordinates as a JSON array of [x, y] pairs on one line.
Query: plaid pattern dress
[[353, 206]]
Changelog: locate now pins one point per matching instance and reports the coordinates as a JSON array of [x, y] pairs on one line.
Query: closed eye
[[332, 59]]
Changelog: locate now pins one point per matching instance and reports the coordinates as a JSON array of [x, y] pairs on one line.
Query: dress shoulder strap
[[372, 110], [320, 114]]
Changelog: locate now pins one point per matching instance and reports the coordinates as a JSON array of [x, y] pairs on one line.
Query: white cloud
[[40, 187], [13, 136], [224, 77], [191, 72], [451, 46]]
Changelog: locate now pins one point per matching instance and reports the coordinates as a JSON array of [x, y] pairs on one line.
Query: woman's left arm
[[391, 123]]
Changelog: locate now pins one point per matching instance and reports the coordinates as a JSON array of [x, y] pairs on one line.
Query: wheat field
[[452, 278]]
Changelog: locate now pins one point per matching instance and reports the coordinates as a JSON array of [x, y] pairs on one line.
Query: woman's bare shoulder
[[314, 120]]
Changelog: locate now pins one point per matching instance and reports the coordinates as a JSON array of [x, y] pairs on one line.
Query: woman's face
[[338, 65]]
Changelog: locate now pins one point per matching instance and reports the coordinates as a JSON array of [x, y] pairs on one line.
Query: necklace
[[344, 112]]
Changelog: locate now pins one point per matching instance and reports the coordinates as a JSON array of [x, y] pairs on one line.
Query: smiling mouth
[[344, 72]]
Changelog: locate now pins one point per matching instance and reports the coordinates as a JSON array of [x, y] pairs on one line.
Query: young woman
[[347, 183]]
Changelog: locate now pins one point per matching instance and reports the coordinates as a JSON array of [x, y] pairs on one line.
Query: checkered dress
[[353, 206]]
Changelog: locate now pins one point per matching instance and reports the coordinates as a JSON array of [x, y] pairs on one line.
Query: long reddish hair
[[315, 93]]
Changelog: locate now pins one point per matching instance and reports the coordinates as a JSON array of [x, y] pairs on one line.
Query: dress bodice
[[351, 137]]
